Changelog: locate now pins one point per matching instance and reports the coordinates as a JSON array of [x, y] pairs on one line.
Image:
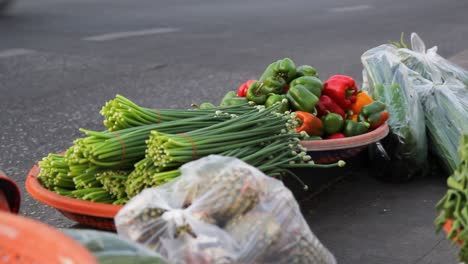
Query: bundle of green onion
[[101, 153], [121, 113], [113, 182], [55, 174], [145, 147], [255, 127]]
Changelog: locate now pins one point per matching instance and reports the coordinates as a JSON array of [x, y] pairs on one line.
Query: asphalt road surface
[[60, 61]]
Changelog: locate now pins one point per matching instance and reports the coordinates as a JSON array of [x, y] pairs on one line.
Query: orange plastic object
[[97, 215], [448, 227], [4, 205], [10, 196], [24, 240]]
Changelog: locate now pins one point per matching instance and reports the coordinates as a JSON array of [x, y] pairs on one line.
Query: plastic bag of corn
[[221, 210]]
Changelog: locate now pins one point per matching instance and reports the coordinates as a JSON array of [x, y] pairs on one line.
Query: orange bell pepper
[[311, 124], [353, 117], [362, 99]]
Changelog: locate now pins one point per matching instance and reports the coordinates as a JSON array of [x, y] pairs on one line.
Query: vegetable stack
[[97, 167], [334, 109], [262, 124], [145, 147]]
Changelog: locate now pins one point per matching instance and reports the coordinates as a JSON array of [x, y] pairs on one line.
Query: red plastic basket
[[24, 240], [10, 196], [332, 150], [97, 215], [4, 205]]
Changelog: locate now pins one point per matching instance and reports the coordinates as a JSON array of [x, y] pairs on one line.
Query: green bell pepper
[[353, 128], [374, 114], [372, 108], [234, 101], [229, 94], [206, 106], [255, 94], [313, 138], [306, 70], [231, 98], [300, 98], [313, 84], [277, 98], [332, 123], [285, 69], [273, 85]]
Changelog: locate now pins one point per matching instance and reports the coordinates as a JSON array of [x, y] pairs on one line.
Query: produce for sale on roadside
[[444, 99], [221, 210], [144, 147], [403, 153], [423, 91], [306, 93], [262, 123], [453, 207], [77, 172], [262, 137]]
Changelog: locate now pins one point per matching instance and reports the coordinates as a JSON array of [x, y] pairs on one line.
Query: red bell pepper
[[326, 104], [242, 90], [342, 89], [335, 136], [309, 123]]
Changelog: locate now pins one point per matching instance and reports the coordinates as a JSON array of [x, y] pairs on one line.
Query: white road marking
[[14, 52], [350, 8], [129, 34]]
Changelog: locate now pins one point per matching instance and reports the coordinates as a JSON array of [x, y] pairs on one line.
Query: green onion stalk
[[101, 151], [81, 169], [123, 148], [146, 175], [113, 182], [97, 194], [55, 173], [260, 125], [121, 113]]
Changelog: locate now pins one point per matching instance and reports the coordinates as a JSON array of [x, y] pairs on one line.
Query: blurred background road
[[61, 60]]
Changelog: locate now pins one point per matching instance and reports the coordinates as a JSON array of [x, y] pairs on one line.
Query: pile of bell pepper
[[330, 110]]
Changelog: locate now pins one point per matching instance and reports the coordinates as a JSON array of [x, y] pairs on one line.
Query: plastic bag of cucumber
[[221, 210]]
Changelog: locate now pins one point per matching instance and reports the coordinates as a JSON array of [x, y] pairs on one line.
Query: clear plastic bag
[[445, 102], [429, 64], [221, 210], [110, 248], [387, 79]]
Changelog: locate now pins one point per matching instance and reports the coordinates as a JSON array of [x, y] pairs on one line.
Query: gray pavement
[[55, 76]]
